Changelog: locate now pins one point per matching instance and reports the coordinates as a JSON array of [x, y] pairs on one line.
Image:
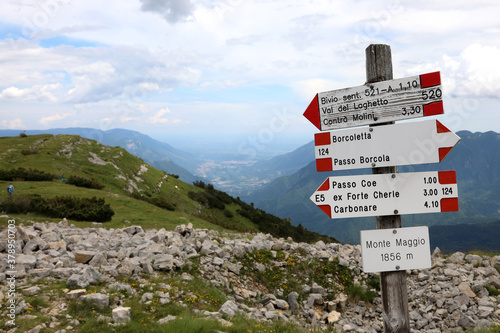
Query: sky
[[199, 71]]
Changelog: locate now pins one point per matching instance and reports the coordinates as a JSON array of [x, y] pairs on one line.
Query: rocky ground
[[264, 278]]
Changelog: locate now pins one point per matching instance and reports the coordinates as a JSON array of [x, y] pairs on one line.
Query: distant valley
[[282, 185]]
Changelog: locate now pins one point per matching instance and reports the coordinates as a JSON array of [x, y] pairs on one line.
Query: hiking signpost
[[383, 146]]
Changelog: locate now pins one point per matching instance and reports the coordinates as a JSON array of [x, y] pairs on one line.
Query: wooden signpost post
[[385, 194], [393, 283]]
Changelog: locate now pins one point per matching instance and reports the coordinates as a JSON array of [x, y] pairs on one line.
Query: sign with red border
[[421, 142], [388, 194], [375, 103]]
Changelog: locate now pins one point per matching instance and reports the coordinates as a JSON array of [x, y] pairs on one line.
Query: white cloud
[[221, 84], [13, 93], [149, 86], [471, 73], [482, 78], [246, 56], [67, 74], [158, 117], [39, 93], [171, 10], [128, 119], [92, 82], [46, 121], [13, 124], [307, 89]]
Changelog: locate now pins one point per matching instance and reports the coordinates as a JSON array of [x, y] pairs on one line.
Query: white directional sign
[[388, 194], [379, 146], [385, 250], [374, 103]]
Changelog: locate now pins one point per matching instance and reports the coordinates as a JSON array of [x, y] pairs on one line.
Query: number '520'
[[431, 94]]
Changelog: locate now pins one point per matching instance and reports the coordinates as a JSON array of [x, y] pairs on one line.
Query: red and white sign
[[380, 146], [388, 194], [375, 103]]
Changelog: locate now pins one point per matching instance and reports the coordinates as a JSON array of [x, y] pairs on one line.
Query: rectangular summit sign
[[374, 103], [397, 249]]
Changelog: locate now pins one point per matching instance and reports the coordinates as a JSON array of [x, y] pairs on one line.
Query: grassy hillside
[[131, 187], [121, 174], [158, 154]]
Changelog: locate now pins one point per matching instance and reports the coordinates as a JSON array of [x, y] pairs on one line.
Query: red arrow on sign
[[312, 112]]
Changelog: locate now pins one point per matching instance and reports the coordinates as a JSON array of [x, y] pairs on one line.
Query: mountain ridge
[[475, 159]]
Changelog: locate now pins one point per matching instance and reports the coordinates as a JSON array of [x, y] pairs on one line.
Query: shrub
[[374, 282], [27, 175], [244, 213], [362, 293], [162, 203], [85, 182], [158, 202], [199, 183], [209, 198], [29, 151], [223, 197], [214, 202], [265, 222], [17, 205], [492, 290], [81, 209], [198, 196]]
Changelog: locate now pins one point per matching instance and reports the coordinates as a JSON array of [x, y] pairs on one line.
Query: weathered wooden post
[[392, 284], [385, 194]]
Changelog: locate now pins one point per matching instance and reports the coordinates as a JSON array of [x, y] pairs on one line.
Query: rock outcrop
[[454, 294]]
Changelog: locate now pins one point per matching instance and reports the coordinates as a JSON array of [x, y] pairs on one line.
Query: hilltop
[[135, 191], [158, 154]]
